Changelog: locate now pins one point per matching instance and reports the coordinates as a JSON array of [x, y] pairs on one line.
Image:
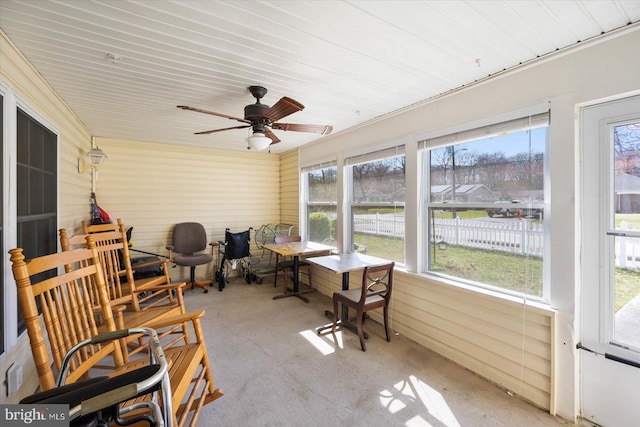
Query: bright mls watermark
[[34, 415]]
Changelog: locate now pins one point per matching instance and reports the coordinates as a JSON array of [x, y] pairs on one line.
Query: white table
[[345, 263]]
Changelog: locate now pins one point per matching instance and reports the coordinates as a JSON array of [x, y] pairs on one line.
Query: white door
[[610, 263]]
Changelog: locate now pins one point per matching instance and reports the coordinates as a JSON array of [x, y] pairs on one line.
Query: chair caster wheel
[[206, 291]]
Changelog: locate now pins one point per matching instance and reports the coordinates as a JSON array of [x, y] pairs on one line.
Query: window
[[486, 205], [623, 231], [377, 202], [37, 191], [321, 203]]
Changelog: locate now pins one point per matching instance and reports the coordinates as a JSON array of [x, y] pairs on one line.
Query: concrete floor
[[276, 371]]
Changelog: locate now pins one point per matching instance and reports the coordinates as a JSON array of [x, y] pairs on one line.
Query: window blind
[[375, 155], [497, 129], [319, 166]]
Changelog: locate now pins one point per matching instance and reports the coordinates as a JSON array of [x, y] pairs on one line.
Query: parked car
[[517, 208], [503, 210]]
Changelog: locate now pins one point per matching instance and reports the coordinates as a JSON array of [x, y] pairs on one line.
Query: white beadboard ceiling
[[348, 62]]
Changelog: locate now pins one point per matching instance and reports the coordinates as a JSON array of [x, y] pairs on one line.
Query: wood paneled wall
[[153, 186], [290, 190]]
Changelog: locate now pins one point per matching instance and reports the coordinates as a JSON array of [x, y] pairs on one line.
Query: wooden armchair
[[62, 283], [132, 305]]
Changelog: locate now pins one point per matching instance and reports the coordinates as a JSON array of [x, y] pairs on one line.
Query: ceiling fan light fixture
[[258, 141]]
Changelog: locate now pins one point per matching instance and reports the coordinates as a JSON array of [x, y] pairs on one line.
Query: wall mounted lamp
[[96, 159]]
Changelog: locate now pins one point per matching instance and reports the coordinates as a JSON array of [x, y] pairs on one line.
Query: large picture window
[[486, 205], [377, 196], [321, 203]]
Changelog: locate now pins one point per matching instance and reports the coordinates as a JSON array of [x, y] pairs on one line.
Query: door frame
[[607, 380]]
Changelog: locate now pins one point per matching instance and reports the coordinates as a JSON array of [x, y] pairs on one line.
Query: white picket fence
[[627, 249], [523, 237], [383, 225]]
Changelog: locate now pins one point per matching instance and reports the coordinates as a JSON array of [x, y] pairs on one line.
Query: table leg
[[296, 274], [296, 285], [344, 320]]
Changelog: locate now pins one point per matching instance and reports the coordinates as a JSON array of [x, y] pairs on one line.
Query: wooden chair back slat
[[115, 258], [111, 250], [68, 316], [97, 228], [376, 281]]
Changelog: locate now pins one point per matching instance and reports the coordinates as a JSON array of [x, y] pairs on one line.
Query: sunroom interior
[[527, 337]]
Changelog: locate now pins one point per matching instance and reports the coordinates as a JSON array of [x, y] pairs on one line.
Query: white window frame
[[395, 150], [304, 191], [9, 182], [530, 118]]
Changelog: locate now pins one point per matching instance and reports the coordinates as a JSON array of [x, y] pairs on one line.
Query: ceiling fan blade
[[206, 132], [321, 129], [269, 134], [282, 108], [199, 110]]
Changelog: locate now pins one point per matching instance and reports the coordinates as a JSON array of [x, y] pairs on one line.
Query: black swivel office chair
[[189, 240]]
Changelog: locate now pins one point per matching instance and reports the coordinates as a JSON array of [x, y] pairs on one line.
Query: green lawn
[[627, 286], [509, 271], [383, 247], [632, 220]]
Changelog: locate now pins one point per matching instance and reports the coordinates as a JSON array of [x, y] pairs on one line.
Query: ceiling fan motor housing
[[254, 112]]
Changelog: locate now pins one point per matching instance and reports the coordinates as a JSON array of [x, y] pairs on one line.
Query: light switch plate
[[14, 378]]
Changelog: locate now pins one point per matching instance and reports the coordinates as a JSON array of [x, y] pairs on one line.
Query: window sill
[[476, 291]]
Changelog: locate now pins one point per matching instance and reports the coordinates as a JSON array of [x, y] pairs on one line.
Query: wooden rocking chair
[[132, 305], [69, 317], [141, 283]]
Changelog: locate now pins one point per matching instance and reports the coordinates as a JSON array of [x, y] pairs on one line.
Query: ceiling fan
[[263, 119]]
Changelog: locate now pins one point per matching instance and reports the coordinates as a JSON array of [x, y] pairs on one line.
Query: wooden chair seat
[[182, 364], [354, 295]]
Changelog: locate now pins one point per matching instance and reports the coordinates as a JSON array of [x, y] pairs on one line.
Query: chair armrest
[[173, 320], [213, 245], [170, 248], [168, 286], [150, 263]]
